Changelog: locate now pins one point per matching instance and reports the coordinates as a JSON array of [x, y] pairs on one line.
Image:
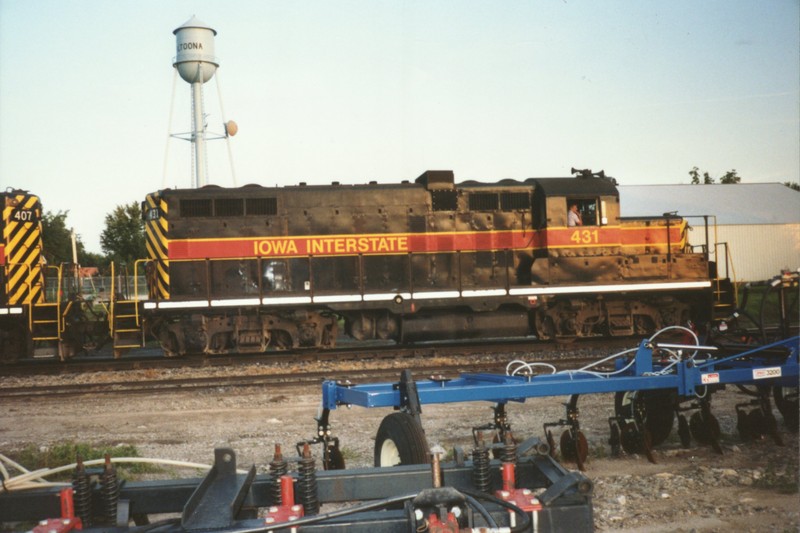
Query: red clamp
[[288, 510], [68, 520], [522, 498], [437, 526]]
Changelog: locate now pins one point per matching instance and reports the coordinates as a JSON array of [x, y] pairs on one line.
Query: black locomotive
[[254, 268]]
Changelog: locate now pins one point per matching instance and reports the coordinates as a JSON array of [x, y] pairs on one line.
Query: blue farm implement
[[653, 384]]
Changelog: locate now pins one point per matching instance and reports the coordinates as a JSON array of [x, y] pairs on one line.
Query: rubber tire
[[400, 433]]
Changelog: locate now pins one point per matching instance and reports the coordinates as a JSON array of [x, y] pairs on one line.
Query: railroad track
[[153, 359], [273, 381]]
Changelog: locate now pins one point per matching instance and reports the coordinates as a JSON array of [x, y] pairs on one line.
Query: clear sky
[[354, 91]]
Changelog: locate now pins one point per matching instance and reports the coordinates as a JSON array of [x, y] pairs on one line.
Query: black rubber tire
[[653, 408], [401, 440]]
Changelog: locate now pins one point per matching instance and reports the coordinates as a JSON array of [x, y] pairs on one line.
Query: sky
[[355, 91]]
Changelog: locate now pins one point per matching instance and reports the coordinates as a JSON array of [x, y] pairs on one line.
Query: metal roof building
[[760, 222]]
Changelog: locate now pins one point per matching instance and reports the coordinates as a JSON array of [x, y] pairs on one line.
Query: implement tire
[[400, 441]]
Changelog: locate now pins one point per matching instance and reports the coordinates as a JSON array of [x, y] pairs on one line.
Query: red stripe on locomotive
[[401, 243]]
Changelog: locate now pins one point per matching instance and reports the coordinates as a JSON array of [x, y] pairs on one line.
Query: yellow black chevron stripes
[[156, 225], [22, 236]]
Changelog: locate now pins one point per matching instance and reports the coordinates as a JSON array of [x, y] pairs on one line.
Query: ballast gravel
[[752, 487]]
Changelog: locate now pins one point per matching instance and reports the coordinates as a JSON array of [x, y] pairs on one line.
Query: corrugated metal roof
[[742, 203]]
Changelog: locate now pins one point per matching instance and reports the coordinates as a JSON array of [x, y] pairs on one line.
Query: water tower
[[196, 64]]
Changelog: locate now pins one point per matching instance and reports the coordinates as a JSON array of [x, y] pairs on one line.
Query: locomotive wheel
[[787, 403], [282, 340], [574, 448], [545, 327], [652, 410], [566, 339], [400, 441]]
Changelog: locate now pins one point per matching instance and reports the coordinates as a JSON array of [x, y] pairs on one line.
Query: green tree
[[93, 259], [730, 177], [123, 238], [792, 185], [57, 239], [695, 174]]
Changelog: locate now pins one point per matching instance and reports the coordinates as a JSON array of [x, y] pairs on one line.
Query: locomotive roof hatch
[[434, 180]]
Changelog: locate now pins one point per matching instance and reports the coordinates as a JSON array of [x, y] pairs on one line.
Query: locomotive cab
[[597, 199]]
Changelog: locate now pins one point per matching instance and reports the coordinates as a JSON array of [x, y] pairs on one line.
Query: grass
[[757, 294], [34, 457], [349, 454]]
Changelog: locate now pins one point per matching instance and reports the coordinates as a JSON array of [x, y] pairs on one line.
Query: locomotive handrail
[[112, 303], [136, 288]]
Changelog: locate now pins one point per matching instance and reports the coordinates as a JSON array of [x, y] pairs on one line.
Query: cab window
[[587, 209]]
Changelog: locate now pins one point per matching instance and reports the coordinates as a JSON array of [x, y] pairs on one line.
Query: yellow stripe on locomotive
[[155, 212], [22, 248]]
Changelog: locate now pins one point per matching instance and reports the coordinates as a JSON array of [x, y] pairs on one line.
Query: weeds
[[34, 457]]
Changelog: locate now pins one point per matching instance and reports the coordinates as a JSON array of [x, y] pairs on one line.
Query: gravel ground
[[752, 487]]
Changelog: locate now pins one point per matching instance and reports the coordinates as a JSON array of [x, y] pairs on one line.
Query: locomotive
[[42, 313], [21, 275], [253, 268]]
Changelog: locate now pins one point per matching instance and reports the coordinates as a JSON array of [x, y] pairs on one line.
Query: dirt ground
[[752, 487]]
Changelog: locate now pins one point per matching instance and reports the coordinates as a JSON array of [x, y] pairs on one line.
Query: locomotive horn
[[585, 173]]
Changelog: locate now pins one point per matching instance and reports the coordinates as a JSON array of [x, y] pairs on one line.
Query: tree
[[123, 238], [695, 174], [730, 177], [792, 185], [57, 239]]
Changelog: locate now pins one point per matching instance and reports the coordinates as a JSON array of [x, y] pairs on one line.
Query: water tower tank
[[195, 60]]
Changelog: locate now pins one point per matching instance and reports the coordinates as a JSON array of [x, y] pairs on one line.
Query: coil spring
[[82, 497], [277, 467], [480, 467], [307, 482], [109, 492], [509, 452]]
